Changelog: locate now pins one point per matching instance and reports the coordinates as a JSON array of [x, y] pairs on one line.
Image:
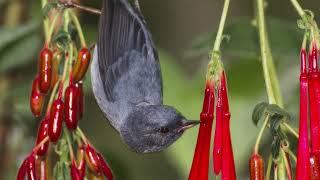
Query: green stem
[[83, 137], [219, 36], [298, 8], [70, 51], [281, 168], [286, 162], [52, 96], [291, 130], [256, 147], [265, 52], [78, 26], [66, 132], [51, 29], [215, 65], [268, 172], [45, 23], [270, 75], [293, 156]]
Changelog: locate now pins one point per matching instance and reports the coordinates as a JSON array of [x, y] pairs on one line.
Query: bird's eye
[[164, 130]]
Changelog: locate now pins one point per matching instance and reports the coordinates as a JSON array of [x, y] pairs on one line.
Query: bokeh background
[[183, 31]]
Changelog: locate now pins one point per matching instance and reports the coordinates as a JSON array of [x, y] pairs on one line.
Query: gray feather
[[124, 46]]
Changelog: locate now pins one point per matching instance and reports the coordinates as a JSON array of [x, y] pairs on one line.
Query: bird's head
[[153, 128]]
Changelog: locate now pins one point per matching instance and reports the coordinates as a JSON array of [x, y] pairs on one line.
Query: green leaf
[[258, 112], [48, 7]]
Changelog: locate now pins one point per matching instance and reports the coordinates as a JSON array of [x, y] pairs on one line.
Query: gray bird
[[127, 81]]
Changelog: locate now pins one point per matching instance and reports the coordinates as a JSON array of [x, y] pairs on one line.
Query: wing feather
[[122, 29]]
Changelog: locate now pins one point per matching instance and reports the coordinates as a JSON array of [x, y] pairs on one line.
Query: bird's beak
[[188, 124]]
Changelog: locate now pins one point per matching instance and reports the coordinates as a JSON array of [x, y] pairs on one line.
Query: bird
[[127, 81]]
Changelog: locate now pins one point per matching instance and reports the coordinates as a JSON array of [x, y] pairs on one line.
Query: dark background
[[183, 31]]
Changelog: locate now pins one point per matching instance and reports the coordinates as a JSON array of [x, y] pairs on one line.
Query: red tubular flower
[[22, 172], [71, 106], [92, 159], [228, 168], [200, 164], [314, 97], [56, 119], [43, 133], [217, 148], [31, 167], [45, 70], [303, 163], [75, 174], [81, 65], [36, 98], [105, 168], [256, 166], [79, 86]]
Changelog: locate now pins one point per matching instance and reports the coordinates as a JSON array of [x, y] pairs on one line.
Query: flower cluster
[[59, 87], [223, 160]]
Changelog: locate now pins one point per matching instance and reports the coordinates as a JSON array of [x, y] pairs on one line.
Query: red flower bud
[[256, 166], [81, 65], [303, 162], [36, 98], [45, 70], [75, 174], [56, 119], [43, 133], [31, 168], [71, 107], [79, 86], [22, 172], [92, 159], [104, 167]]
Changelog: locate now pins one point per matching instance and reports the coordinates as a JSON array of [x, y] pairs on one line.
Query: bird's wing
[[122, 30]]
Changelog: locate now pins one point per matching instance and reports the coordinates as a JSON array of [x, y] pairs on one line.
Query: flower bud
[[45, 70], [81, 65], [256, 166], [43, 133], [56, 120], [36, 98]]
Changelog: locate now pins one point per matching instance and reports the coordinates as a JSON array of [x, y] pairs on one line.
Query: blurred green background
[[183, 31]]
